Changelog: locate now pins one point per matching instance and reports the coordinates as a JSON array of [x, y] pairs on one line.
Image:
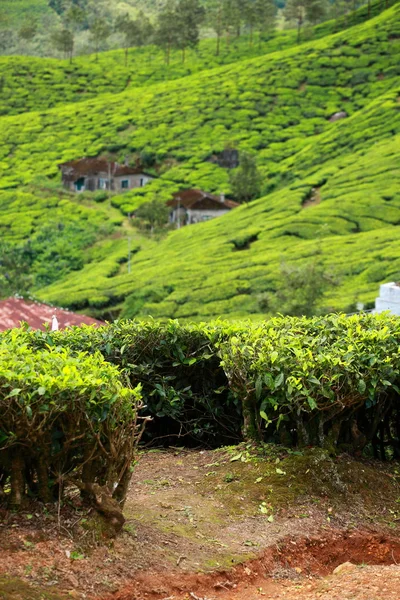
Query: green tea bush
[[331, 381], [64, 417], [177, 367]]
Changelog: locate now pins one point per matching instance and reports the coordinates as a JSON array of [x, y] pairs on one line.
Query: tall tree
[[300, 289], [259, 16], [63, 41], [145, 29], [6, 40], [28, 31], [246, 180], [215, 20], [316, 10], [129, 30], [153, 214], [233, 16], [167, 34], [73, 19], [100, 30], [191, 15], [295, 10]]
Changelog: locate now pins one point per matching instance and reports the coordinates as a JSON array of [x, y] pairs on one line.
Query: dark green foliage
[[28, 31], [63, 41], [15, 263], [330, 381], [299, 289], [246, 179], [153, 214], [183, 387]]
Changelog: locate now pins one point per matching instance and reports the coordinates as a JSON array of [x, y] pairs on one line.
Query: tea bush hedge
[[64, 417], [332, 381]]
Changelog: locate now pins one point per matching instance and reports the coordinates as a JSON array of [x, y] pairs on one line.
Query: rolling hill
[[31, 83], [276, 105]]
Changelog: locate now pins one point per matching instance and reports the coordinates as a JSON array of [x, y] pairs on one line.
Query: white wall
[[389, 298]]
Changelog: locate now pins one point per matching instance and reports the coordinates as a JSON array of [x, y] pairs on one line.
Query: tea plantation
[[328, 187], [30, 83]]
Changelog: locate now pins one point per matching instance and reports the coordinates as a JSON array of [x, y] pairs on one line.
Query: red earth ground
[[219, 525]]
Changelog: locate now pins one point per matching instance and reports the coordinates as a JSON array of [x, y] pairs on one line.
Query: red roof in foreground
[[15, 310]]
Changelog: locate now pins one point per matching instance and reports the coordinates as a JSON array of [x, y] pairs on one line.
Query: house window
[[80, 184], [103, 184], [125, 184], [141, 182]]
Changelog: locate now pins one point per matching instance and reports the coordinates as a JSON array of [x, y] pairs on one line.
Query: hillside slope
[[198, 272], [277, 106], [29, 83]]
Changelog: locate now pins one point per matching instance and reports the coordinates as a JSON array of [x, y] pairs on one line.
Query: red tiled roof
[[15, 310], [190, 198], [91, 166]]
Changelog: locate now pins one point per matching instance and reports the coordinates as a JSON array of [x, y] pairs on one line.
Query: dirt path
[[227, 524]]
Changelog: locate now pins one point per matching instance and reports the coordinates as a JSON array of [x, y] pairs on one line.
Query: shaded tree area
[[177, 24], [300, 289], [153, 215], [246, 179], [52, 253]]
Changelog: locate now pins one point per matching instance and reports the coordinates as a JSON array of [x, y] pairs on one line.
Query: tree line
[[178, 24]]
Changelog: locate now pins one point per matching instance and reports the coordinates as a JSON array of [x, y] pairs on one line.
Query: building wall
[[197, 216], [98, 182], [135, 181], [389, 299], [190, 217]]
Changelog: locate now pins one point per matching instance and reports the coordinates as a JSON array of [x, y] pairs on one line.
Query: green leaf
[[270, 519], [14, 392], [311, 403], [279, 380], [237, 457], [361, 386], [190, 361], [258, 480], [264, 416], [273, 356], [280, 472], [41, 391]]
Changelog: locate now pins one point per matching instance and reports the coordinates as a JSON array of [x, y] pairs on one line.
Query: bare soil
[[226, 524]]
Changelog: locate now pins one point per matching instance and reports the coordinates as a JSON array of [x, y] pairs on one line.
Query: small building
[[38, 315], [195, 206], [389, 298], [94, 174]]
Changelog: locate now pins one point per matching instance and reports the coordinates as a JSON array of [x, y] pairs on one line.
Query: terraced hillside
[[277, 106]]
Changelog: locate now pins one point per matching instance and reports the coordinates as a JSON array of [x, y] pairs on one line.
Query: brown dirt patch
[[217, 524], [313, 199], [302, 561]]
